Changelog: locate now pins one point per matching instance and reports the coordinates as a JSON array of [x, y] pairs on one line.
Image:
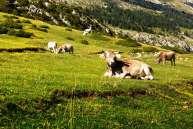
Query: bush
[[11, 17], [70, 38], [44, 26], [20, 33], [3, 29], [17, 21], [42, 29], [150, 49], [128, 43], [34, 26], [10, 23], [26, 21], [85, 42], [11, 32], [136, 50], [24, 34], [68, 29]]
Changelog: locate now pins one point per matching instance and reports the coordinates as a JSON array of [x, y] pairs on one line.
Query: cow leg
[[174, 61], [164, 61]]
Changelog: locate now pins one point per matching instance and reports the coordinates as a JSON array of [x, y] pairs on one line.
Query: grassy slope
[[27, 78]]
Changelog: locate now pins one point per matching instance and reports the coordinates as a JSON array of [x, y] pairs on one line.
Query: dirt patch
[[32, 49], [55, 94], [60, 96]]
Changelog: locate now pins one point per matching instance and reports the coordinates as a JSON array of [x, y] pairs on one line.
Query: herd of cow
[[121, 68]]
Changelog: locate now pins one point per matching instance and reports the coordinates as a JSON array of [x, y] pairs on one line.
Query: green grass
[[27, 81]]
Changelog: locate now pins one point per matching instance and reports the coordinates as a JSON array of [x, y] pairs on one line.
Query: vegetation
[[161, 19], [128, 43], [47, 90]]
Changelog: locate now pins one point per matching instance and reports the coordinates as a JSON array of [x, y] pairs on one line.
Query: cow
[[66, 48], [52, 46], [164, 56], [126, 68]]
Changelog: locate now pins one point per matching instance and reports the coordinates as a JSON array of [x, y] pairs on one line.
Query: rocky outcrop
[[159, 40]]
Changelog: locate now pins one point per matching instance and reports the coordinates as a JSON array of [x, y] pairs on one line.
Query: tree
[[3, 5]]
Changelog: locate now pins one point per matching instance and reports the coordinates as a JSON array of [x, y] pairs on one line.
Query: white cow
[[126, 68], [52, 46]]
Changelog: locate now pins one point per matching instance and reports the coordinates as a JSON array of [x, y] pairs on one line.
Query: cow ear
[[118, 56]]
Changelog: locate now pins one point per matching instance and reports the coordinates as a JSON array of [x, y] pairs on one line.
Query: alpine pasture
[[55, 91]]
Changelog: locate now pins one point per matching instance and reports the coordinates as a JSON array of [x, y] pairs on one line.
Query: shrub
[[128, 43], [11, 32], [42, 29], [3, 29], [85, 42], [68, 29], [34, 26], [17, 21], [20, 33], [135, 50], [26, 21], [44, 26], [11, 17], [10, 23], [70, 38], [150, 49], [24, 34]]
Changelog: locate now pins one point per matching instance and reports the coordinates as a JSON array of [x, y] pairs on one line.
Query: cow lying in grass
[[126, 68], [164, 56], [65, 48]]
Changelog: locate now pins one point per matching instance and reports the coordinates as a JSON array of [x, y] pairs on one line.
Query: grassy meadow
[[56, 91]]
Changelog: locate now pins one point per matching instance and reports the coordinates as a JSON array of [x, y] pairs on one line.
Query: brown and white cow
[[66, 48], [126, 68], [164, 56]]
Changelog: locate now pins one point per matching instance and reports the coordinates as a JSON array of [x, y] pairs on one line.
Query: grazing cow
[[66, 48], [52, 46], [126, 68], [164, 56]]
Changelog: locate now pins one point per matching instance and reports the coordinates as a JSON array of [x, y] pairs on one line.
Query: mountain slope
[[170, 23]]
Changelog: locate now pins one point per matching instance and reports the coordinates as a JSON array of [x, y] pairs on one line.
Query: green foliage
[[44, 26], [3, 29], [26, 21], [135, 50], [176, 49], [85, 42], [149, 49], [20, 33], [128, 43], [42, 29], [34, 26], [11, 23], [68, 29], [2, 5]]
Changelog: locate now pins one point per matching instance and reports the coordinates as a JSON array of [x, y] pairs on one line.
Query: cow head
[[110, 57]]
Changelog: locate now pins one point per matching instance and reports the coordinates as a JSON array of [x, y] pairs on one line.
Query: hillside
[[165, 23], [47, 90]]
